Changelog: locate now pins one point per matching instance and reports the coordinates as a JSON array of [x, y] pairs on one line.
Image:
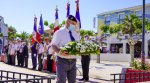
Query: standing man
[[13, 53], [21, 54], [25, 54], [66, 64], [9, 55], [40, 56], [34, 49], [85, 61], [18, 53], [49, 55]]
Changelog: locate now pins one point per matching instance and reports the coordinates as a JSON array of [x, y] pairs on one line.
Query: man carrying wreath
[[66, 64]]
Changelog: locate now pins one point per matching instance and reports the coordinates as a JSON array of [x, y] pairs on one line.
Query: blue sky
[[20, 13]]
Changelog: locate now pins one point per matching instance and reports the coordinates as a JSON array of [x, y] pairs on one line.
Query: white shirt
[[50, 50], [12, 49], [40, 49], [62, 37], [21, 48], [18, 46]]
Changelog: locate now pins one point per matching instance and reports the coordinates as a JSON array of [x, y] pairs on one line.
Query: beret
[[71, 17]]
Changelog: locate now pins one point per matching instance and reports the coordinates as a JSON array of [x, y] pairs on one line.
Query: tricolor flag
[[40, 30], [41, 26], [56, 24], [77, 12], [68, 9], [34, 30]]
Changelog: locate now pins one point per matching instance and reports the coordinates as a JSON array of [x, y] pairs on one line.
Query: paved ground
[[98, 71]]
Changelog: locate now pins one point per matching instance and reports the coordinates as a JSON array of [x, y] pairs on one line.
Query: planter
[[132, 76]]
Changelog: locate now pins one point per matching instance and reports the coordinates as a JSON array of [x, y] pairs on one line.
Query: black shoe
[[86, 80], [81, 79], [33, 68]]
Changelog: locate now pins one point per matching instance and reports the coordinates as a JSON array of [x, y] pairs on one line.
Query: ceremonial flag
[[68, 9], [41, 26], [56, 24], [78, 13], [34, 30], [40, 30]]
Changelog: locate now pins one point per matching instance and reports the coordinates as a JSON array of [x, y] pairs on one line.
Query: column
[[124, 48]]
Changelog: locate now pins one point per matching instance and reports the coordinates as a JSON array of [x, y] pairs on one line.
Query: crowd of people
[[18, 49], [65, 64]]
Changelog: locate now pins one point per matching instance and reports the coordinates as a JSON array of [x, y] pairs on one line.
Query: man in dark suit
[[85, 61], [25, 54]]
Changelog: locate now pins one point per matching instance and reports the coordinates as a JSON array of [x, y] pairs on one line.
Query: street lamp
[[143, 35]]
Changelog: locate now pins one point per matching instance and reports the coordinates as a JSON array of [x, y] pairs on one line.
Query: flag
[[40, 30], [78, 13], [56, 24], [34, 30], [41, 26], [68, 9]]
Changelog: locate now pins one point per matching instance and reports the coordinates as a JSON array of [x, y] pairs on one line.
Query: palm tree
[[24, 35]]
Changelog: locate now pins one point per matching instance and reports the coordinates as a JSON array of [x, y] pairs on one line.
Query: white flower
[[82, 50]]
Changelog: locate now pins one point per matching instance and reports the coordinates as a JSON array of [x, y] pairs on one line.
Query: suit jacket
[[25, 51]]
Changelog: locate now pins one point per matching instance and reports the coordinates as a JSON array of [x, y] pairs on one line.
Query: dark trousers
[[49, 62], [9, 59], [26, 61], [34, 60], [85, 61], [13, 59], [18, 58], [21, 59], [40, 62], [66, 69]]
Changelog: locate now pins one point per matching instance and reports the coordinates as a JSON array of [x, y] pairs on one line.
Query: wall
[[115, 57]]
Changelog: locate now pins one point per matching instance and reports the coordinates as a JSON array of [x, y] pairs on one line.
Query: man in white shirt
[[49, 55], [13, 52], [66, 64], [40, 55]]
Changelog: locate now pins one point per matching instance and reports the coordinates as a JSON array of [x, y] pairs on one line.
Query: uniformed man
[[40, 55], [49, 57], [13, 52], [21, 54], [25, 54], [34, 49], [66, 65], [18, 52]]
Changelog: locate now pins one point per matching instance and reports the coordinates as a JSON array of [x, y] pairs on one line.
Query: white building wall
[[4, 30]]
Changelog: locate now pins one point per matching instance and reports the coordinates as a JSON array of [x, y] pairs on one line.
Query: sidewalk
[[98, 71]]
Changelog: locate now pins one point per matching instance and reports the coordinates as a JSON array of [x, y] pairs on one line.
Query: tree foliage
[[46, 23]]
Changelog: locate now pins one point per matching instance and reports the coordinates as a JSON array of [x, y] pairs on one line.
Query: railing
[[131, 77], [15, 77]]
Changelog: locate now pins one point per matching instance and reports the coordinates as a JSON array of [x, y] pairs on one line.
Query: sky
[[20, 13]]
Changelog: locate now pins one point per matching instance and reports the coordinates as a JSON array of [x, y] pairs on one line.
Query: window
[[107, 23], [122, 16], [115, 20], [107, 20], [138, 13], [101, 17]]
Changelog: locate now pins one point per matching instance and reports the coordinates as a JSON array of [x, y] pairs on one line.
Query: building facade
[[4, 31], [116, 17]]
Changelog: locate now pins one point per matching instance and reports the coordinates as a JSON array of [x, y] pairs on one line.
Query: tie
[[72, 38]]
